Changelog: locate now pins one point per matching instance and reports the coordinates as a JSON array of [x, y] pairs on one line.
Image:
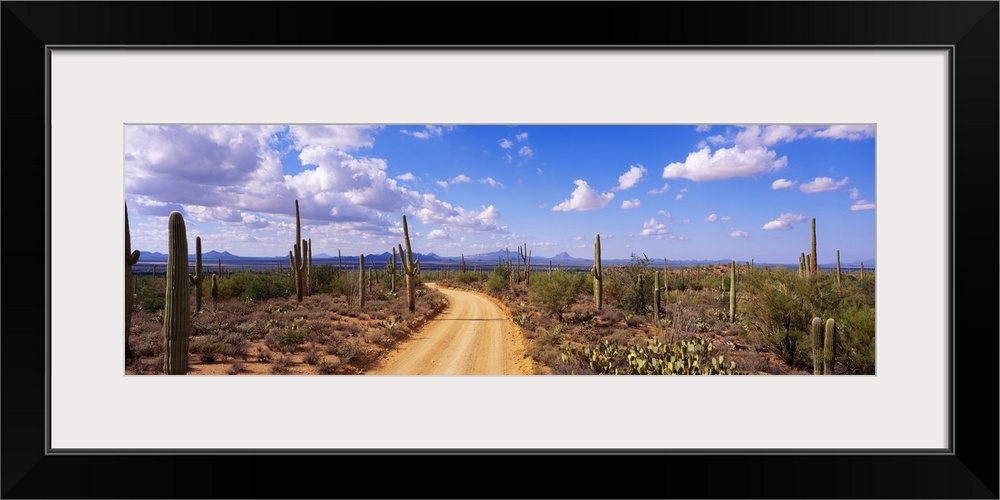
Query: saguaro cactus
[[824, 345], [130, 259], [838, 267], [309, 267], [598, 273], [392, 272], [361, 279], [862, 270], [297, 264], [732, 291], [177, 309], [656, 298], [829, 347], [198, 277], [463, 262], [215, 289], [816, 331], [813, 263], [410, 269]]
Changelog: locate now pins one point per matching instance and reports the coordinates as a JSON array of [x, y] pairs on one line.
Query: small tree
[[556, 292]]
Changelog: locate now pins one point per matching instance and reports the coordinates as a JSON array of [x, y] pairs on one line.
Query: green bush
[[631, 286], [556, 291]]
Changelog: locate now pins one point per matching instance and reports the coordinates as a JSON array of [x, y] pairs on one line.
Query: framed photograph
[[914, 83]]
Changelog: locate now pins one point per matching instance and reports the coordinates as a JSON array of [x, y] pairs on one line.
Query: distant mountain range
[[477, 259]]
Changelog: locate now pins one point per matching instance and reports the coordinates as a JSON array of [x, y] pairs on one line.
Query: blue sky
[[677, 191]]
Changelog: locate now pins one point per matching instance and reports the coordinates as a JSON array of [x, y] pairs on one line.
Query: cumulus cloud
[[725, 217], [712, 218], [523, 136], [491, 181], [443, 184], [630, 204], [438, 234], [821, 184], [653, 228], [407, 177], [704, 165], [428, 132], [665, 214], [459, 179], [783, 222], [430, 210], [584, 198], [506, 143], [848, 132], [863, 205], [855, 193], [526, 152], [703, 128], [783, 184], [630, 178], [661, 190], [739, 234]]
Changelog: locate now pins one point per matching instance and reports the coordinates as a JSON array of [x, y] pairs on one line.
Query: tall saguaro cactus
[[198, 277], [130, 259], [838, 267], [361, 279], [177, 308], [410, 269], [813, 263], [732, 291], [656, 297], [309, 267], [598, 273], [298, 264]]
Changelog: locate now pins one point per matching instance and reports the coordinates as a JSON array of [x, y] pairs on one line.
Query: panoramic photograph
[[499, 249]]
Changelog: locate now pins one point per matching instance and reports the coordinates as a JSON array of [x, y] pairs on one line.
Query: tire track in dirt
[[472, 336]]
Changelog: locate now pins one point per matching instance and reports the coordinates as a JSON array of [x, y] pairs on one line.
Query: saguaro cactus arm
[[131, 257]]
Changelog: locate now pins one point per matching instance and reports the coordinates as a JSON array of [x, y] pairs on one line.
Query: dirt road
[[471, 337]]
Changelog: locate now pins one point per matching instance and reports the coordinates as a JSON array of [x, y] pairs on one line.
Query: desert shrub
[[777, 316], [236, 367], [556, 291], [313, 356], [288, 339], [686, 357], [328, 366], [856, 341], [350, 349], [630, 287], [281, 364], [326, 279], [264, 355], [253, 286]]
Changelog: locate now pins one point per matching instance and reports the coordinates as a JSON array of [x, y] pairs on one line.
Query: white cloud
[[712, 218], [665, 214], [849, 132], [491, 181], [526, 152], [459, 179], [438, 234], [523, 136], [407, 177], [783, 222], [863, 205], [725, 217], [506, 143], [443, 184], [821, 184], [704, 165], [430, 210], [630, 178], [855, 193], [653, 228], [630, 204], [783, 184], [428, 132], [739, 234], [680, 196], [584, 198], [661, 190], [703, 128]]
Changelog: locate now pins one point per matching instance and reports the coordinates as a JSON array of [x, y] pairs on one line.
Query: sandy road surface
[[471, 337]]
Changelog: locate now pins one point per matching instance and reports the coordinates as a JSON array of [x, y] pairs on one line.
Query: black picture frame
[[969, 470]]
